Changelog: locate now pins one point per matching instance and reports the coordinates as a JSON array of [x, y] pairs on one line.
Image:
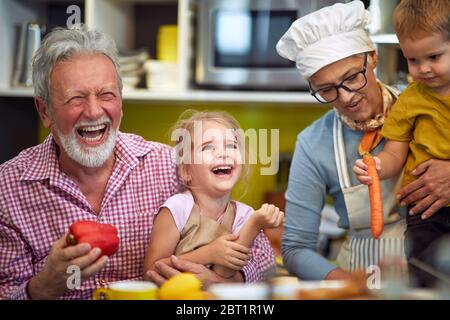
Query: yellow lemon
[[197, 295], [180, 287]]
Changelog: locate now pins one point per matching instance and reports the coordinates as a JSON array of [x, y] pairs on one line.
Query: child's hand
[[225, 252], [268, 216], [360, 169]]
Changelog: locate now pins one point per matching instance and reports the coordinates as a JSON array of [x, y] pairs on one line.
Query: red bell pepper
[[98, 235]]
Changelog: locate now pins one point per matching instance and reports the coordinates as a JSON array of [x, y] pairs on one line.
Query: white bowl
[[324, 284], [233, 291]]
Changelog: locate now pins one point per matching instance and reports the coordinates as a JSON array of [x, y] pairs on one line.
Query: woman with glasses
[[333, 51]]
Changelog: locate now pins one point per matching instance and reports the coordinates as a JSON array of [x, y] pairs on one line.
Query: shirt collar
[[128, 149], [45, 161]]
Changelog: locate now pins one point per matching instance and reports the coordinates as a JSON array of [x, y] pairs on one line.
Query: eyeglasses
[[352, 83]]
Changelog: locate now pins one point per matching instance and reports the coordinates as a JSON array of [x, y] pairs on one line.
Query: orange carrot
[[367, 141], [376, 198]]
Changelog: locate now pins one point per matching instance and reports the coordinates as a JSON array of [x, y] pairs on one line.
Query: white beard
[[92, 157]]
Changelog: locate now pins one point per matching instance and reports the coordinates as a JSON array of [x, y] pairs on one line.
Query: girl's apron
[[201, 230], [360, 249]]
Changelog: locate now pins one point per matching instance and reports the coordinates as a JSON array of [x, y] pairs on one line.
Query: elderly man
[[85, 169]]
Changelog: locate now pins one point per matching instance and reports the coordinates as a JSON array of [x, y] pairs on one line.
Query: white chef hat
[[325, 36]]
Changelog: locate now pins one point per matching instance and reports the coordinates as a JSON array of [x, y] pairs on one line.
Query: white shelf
[[221, 96], [16, 92], [195, 95], [387, 38]]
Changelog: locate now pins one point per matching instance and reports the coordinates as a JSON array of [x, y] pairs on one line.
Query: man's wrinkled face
[[86, 108]]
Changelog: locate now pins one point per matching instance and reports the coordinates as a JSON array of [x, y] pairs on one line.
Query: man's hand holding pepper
[[207, 276], [51, 282]]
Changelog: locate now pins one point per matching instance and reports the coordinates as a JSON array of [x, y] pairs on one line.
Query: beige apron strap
[[188, 234], [229, 215]]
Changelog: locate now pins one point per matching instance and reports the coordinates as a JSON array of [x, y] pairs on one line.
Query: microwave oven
[[236, 42]]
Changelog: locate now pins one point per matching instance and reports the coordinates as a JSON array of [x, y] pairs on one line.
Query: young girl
[[203, 224]]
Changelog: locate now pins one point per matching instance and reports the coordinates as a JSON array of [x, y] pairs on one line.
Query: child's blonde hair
[[185, 126], [416, 18]]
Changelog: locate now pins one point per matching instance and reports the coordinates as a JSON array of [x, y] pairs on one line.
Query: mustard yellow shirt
[[422, 118]]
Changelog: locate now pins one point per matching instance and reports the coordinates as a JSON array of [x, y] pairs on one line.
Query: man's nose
[[93, 109]]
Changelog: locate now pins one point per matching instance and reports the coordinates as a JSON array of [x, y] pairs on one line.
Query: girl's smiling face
[[216, 159]]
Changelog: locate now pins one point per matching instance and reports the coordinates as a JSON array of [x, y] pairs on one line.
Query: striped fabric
[[366, 252]]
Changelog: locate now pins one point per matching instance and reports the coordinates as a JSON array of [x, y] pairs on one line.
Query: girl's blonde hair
[[183, 131], [416, 18]]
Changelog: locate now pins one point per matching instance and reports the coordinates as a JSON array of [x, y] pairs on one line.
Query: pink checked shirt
[[38, 202]]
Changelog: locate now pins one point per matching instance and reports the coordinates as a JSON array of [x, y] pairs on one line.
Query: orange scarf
[[372, 127], [369, 141]]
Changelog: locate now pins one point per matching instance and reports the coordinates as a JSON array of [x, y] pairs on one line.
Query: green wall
[[152, 120]]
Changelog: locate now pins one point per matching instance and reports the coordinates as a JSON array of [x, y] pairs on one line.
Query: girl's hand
[[225, 252], [360, 169], [268, 216]]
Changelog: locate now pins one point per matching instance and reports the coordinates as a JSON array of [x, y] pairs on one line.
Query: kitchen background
[[157, 41]]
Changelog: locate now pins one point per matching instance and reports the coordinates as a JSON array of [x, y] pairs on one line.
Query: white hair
[[62, 44]]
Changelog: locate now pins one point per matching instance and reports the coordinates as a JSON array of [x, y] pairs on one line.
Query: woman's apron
[[360, 249]]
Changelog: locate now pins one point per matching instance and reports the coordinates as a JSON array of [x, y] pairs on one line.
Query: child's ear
[[373, 59], [44, 111], [184, 173]]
